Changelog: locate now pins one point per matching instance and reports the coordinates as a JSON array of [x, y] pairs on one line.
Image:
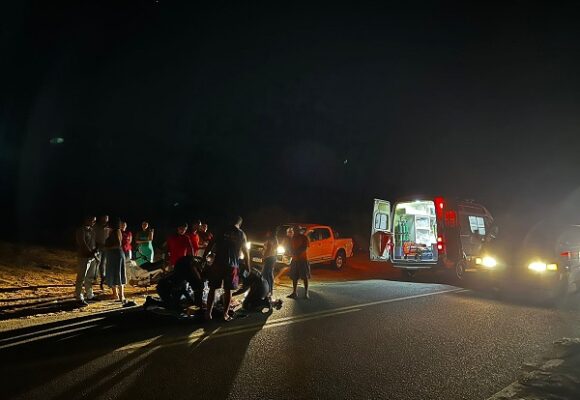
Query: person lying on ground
[[182, 288], [258, 290]]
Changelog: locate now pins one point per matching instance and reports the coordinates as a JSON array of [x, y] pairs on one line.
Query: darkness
[[179, 110]]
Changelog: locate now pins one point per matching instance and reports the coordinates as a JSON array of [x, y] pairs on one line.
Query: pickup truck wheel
[[340, 260], [458, 272]]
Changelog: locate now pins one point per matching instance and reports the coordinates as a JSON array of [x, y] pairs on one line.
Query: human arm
[[210, 247], [195, 243], [243, 289], [246, 252], [190, 245], [82, 243], [266, 248]]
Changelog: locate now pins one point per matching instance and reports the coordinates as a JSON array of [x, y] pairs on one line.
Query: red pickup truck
[[324, 246]]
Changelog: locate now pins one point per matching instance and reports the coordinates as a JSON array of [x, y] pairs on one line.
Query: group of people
[[196, 260], [104, 246]]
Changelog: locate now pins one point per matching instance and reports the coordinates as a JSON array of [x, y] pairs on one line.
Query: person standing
[[299, 267], [194, 236], [179, 245], [102, 231], [86, 250], [224, 272], [270, 253], [204, 238], [126, 243], [144, 241], [115, 275]]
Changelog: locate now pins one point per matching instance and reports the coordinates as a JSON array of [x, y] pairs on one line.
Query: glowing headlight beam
[[489, 262], [280, 250], [538, 266], [248, 245]]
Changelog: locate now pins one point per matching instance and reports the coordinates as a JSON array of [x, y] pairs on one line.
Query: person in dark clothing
[[182, 288], [102, 232], [270, 253], [225, 249], [258, 289], [299, 267]]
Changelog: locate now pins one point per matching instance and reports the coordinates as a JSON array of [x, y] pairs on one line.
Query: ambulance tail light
[[440, 244], [439, 206]]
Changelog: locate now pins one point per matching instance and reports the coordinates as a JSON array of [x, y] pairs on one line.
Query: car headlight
[[280, 250], [538, 266], [248, 245], [489, 262]]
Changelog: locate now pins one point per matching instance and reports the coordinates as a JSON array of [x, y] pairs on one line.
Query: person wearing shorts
[[224, 272], [299, 267]]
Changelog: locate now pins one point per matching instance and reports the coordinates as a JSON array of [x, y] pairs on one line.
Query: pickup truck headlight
[[539, 266], [248, 245], [280, 250], [487, 261]]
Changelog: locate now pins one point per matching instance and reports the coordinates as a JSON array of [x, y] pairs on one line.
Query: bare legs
[[294, 293], [227, 302], [119, 292]]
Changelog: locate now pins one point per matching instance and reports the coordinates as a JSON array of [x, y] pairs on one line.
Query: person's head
[[116, 224], [123, 226], [204, 227], [144, 225], [181, 229], [103, 219], [89, 220], [196, 225], [238, 221], [290, 232]]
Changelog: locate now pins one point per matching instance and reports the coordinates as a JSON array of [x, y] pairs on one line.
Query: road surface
[[355, 339]]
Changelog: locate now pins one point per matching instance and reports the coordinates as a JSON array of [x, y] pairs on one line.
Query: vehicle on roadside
[[325, 246], [543, 261], [430, 233]]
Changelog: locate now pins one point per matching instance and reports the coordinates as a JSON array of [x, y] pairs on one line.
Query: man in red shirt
[[299, 267], [194, 237], [179, 245]]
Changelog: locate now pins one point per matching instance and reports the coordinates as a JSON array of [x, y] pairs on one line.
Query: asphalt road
[[367, 339]]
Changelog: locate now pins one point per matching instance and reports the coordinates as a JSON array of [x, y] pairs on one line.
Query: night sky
[[176, 110]]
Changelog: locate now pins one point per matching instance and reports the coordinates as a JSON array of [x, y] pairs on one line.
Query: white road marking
[[203, 336]]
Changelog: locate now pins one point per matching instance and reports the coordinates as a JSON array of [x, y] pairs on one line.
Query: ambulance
[[431, 233]]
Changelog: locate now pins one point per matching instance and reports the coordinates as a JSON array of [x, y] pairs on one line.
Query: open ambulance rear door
[[381, 232]]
